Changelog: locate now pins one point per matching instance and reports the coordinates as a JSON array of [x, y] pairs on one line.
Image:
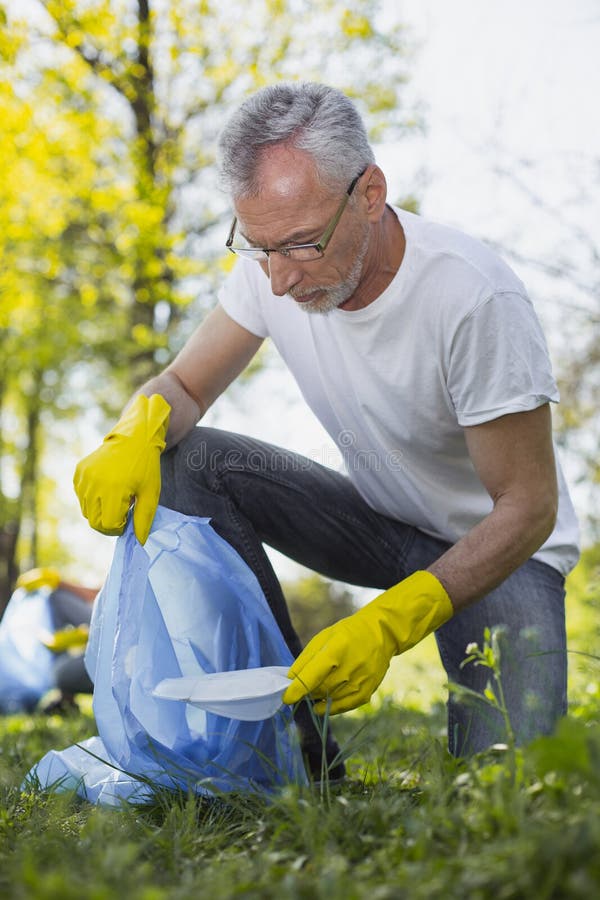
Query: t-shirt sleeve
[[499, 361], [239, 296]]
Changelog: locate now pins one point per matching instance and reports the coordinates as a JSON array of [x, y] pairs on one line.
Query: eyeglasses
[[299, 252]]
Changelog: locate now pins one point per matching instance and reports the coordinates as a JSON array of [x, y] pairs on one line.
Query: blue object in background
[[26, 665], [183, 604]]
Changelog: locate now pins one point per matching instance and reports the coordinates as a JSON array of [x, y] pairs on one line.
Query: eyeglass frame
[[320, 245]]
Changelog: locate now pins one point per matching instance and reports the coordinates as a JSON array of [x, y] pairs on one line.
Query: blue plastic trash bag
[[26, 665], [183, 604]]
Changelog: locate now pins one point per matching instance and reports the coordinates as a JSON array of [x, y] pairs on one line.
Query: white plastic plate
[[246, 694]]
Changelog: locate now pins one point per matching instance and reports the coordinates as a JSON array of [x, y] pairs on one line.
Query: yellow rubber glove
[[67, 638], [125, 467], [347, 661], [45, 576]]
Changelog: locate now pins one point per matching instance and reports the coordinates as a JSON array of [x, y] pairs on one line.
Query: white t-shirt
[[453, 341]]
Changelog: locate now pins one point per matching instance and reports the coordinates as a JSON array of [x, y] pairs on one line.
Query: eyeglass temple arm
[[332, 225], [229, 240]]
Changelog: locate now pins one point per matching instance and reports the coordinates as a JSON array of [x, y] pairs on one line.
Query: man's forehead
[[290, 200], [285, 172]]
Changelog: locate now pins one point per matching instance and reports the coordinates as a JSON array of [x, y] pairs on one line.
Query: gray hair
[[307, 116]]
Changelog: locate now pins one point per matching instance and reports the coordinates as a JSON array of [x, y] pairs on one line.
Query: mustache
[[298, 294]]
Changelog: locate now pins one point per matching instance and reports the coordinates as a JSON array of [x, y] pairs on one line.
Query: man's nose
[[283, 273]]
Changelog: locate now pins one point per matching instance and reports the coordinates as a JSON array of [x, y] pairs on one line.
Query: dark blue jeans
[[256, 494], [70, 673]]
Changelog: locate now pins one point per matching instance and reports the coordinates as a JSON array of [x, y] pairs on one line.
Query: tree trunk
[[9, 529], [28, 489], [9, 535]]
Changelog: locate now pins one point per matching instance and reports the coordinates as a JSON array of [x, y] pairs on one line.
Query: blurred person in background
[[43, 635]]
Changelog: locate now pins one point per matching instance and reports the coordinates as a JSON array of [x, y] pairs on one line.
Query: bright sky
[[526, 73], [503, 85], [503, 82]]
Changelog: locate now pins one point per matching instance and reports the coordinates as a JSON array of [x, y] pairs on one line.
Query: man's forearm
[[185, 411], [491, 551]]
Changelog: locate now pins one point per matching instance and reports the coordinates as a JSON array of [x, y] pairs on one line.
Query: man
[[420, 353]]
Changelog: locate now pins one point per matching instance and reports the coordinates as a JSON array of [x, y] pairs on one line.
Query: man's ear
[[374, 189]]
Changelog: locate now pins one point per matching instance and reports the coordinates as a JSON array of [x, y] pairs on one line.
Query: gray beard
[[332, 297]]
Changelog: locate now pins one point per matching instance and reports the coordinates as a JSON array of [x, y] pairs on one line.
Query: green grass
[[411, 822]]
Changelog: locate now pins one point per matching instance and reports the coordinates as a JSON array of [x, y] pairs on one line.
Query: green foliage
[[314, 603], [110, 111], [411, 822], [583, 626]]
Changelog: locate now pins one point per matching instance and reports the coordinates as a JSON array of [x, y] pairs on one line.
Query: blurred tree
[[583, 622], [49, 255], [110, 113], [566, 272], [315, 603]]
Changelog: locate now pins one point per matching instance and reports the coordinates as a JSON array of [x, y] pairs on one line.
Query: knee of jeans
[[197, 455]]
